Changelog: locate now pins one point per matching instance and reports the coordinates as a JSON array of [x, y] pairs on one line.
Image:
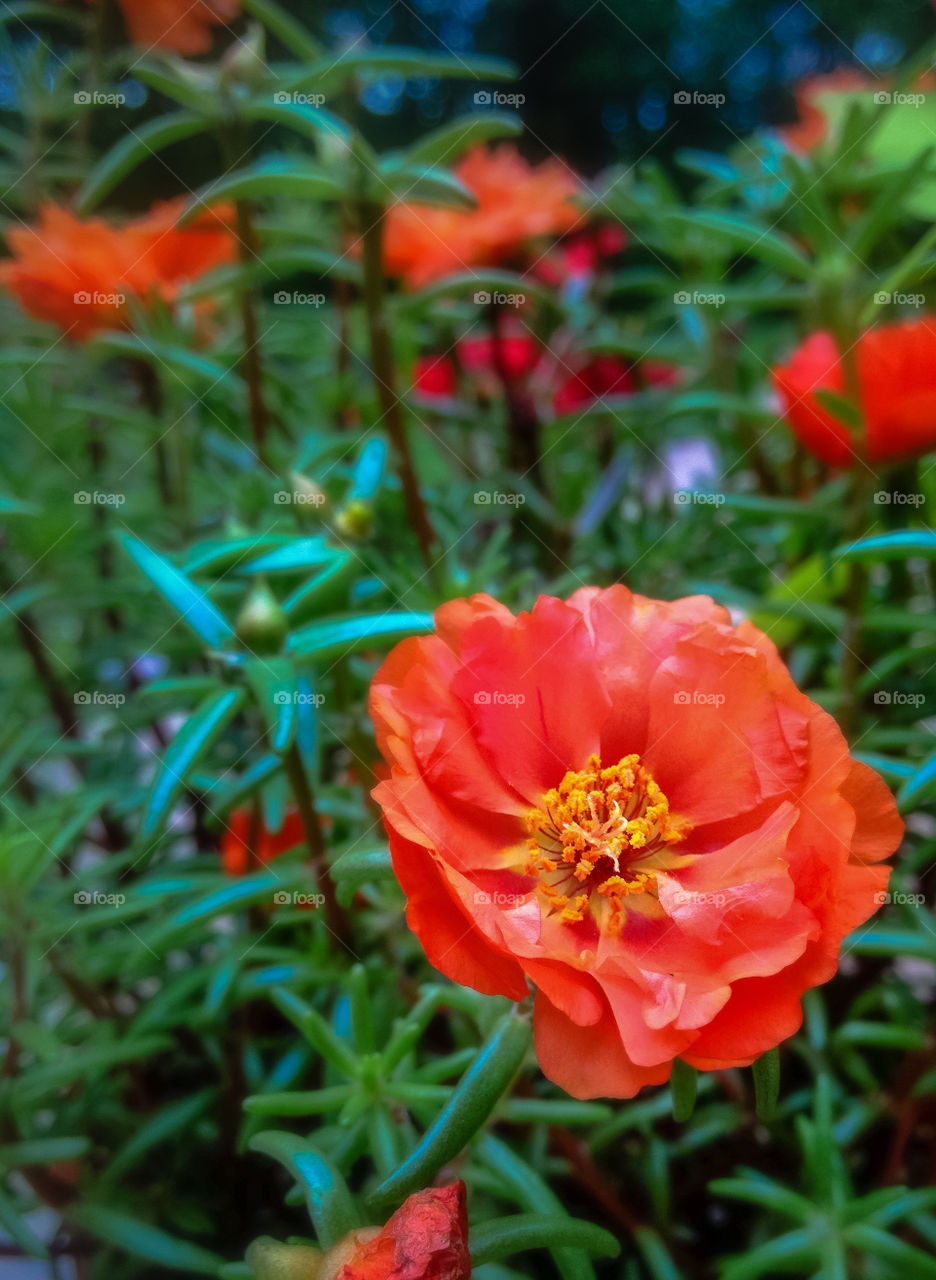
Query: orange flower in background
[[80, 273], [896, 372], [517, 202], [629, 803], [185, 26], [426, 1239], [235, 843], [821, 102]]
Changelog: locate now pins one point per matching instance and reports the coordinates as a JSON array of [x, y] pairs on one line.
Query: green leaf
[[257, 887], [137, 146], [326, 639], [890, 1249], [165, 357], [144, 1241], [745, 237], [422, 185], [892, 546], [313, 1028], [469, 284], [766, 1072], [302, 117], [286, 29], [445, 144], [16, 1226], [208, 623], [469, 1107], [311, 1102], [920, 784], [271, 176], [169, 78], [328, 1200], [191, 742], [331, 73], [503, 1237], [684, 1084], [82, 1064], [845, 410], [293, 556], [42, 1151]]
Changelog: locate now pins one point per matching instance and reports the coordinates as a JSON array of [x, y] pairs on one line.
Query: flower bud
[[270, 1260], [261, 625], [355, 519]]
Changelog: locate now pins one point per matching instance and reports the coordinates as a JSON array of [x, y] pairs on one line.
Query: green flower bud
[[261, 625]]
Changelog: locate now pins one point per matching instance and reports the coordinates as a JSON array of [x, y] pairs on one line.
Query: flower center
[[601, 831]]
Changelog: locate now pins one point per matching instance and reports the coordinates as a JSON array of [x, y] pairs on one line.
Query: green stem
[[315, 839], [371, 221], [251, 360]]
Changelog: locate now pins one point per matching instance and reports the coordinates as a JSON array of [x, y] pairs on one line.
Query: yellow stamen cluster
[[618, 813]]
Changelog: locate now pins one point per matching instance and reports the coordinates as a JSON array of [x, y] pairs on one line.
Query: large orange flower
[[80, 273], [896, 373], [185, 26], [631, 804], [517, 202]]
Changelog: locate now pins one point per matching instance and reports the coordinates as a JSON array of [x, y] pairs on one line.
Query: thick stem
[[371, 219], [251, 361], [315, 839]]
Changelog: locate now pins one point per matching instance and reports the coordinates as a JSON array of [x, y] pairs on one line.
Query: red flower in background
[[521, 357], [235, 843], [79, 273], [517, 202], [629, 803], [185, 26], [816, 97], [896, 372]]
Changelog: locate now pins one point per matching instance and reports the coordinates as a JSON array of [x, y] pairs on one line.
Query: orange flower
[[517, 202], [631, 804], [820, 102], [426, 1239], [235, 843], [184, 26], [80, 273], [896, 374]]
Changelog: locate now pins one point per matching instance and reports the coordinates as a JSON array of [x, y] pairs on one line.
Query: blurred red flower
[[185, 26], [79, 273], [896, 373], [816, 98], [577, 383], [517, 202], [235, 843], [629, 803], [426, 1239]]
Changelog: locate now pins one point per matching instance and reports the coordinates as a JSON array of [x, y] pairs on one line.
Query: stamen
[[612, 816]]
